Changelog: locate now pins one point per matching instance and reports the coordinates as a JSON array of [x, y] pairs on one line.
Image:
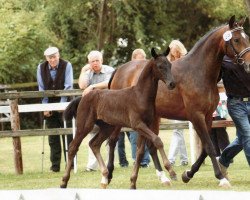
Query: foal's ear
[[242, 21], [153, 53], [231, 22], [165, 53]]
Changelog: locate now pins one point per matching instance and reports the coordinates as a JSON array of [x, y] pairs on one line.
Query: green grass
[[34, 178]]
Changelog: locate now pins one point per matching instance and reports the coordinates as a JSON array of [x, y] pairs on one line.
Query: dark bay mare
[[130, 107], [195, 96]]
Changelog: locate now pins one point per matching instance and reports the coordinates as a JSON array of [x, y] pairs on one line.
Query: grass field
[[34, 178]]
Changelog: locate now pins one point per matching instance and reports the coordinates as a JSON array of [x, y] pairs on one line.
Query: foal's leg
[[112, 144], [139, 154], [146, 132], [73, 148], [95, 145], [153, 152]]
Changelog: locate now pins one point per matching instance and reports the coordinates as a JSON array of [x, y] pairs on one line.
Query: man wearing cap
[[94, 76], [55, 74]]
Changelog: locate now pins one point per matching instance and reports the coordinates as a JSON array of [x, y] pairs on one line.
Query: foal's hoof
[[173, 177], [224, 183], [104, 185], [63, 185], [109, 181], [167, 183], [185, 177]]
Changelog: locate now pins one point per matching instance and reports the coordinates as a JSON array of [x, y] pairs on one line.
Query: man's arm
[[83, 81], [68, 82]]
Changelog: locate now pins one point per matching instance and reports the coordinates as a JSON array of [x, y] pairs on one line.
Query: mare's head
[[162, 68], [237, 43]]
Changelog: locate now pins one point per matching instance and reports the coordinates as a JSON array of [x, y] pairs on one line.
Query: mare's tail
[[111, 78], [71, 109]]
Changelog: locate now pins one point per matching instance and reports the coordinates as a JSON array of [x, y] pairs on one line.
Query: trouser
[[240, 113], [55, 121], [121, 149], [133, 140], [177, 145], [219, 137], [92, 161]]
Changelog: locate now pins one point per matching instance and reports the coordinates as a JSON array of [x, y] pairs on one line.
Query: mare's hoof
[[224, 183], [109, 181], [185, 177], [104, 185]]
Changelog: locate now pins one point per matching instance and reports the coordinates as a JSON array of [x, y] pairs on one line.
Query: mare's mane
[[203, 39]]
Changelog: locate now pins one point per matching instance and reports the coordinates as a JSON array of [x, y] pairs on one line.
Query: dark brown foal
[[130, 107]]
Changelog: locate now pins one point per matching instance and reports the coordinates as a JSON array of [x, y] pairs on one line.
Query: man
[[93, 76], [237, 85], [55, 74], [137, 54]]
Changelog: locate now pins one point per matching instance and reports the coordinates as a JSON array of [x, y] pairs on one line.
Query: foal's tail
[[71, 109], [111, 78]]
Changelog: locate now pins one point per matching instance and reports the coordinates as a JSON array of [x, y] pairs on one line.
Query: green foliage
[[23, 39], [27, 27]]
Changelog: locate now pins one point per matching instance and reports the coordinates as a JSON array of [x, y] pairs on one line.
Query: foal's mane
[[199, 43]]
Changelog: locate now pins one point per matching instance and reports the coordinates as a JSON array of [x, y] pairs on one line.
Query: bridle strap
[[238, 56], [243, 52]]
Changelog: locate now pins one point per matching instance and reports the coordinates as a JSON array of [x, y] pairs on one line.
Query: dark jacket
[[235, 79], [49, 83]]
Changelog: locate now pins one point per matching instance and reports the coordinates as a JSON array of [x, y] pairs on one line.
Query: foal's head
[[162, 68], [237, 44]]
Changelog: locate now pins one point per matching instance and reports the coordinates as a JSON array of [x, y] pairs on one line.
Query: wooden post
[[15, 125]]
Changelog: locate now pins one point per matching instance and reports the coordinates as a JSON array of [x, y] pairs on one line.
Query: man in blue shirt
[[55, 74]]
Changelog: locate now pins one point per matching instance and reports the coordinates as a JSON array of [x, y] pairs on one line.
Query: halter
[[238, 56]]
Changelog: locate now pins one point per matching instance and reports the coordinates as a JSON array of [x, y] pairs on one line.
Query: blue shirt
[[68, 83]]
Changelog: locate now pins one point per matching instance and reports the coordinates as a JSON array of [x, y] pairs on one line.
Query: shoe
[[54, 169], [89, 170], [144, 165], [184, 163], [223, 169], [124, 165]]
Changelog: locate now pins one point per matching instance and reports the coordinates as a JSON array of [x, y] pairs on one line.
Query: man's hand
[[47, 113], [88, 89]]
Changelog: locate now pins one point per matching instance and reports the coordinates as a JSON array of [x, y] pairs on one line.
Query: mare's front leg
[[112, 144], [95, 144], [73, 148], [202, 128]]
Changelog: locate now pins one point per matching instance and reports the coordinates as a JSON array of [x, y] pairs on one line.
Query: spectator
[[138, 54], [177, 145], [93, 76], [237, 85], [219, 135], [55, 74]]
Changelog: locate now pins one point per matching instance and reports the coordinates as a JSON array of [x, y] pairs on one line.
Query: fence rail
[[13, 109]]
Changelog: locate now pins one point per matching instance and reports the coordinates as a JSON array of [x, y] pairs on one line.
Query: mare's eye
[[236, 40]]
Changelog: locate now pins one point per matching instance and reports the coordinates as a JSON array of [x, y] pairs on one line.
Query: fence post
[[15, 125]]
